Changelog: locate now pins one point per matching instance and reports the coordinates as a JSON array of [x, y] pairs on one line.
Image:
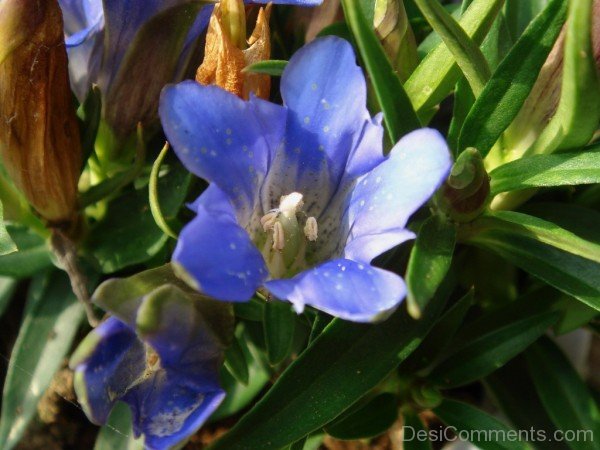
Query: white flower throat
[[288, 232]]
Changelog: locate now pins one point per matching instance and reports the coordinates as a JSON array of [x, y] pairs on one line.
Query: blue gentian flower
[[102, 35], [301, 196], [160, 354]]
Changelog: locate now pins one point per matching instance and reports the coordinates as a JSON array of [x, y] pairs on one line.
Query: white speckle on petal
[[169, 422], [232, 246]]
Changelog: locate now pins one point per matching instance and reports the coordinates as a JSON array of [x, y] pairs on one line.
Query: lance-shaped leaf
[[52, 318], [32, 256], [562, 169], [7, 245], [429, 262], [547, 251], [344, 363], [564, 394], [511, 83], [437, 74], [465, 417], [578, 111], [466, 52], [400, 117]]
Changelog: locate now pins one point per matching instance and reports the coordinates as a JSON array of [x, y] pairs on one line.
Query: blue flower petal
[[117, 361], [168, 408], [217, 254], [289, 2], [222, 138], [385, 198], [343, 288], [176, 400], [170, 396], [325, 92], [368, 246], [83, 22]]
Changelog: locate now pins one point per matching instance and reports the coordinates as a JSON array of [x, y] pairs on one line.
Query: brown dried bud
[[224, 57], [39, 134]]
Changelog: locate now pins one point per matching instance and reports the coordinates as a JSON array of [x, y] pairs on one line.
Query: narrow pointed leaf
[[564, 394], [273, 67], [399, 115], [561, 169], [435, 77], [344, 363], [117, 434], [547, 251], [235, 362], [578, 111], [32, 255], [52, 318], [465, 417], [506, 91], [466, 52], [429, 262], [480, 356], [279, 323], [367, 421]]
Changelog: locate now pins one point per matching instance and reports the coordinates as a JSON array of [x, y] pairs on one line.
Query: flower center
[[288, 232]]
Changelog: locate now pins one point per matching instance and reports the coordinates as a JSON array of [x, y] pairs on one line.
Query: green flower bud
[[465, 193], [391, 25]]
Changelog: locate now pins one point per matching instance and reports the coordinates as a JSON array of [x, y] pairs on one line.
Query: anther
[[268, 220], [278, 236], [311, 229]]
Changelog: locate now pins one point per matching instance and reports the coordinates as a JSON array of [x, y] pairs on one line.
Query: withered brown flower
[[39, 134], [225, 54]]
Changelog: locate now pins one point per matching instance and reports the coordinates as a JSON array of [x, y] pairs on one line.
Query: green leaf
[[273, 67], [33, 254], [239, 395], [117, 434], [279, 322], [128, 235], [578, 111], [429, 262], [513, 390], [550, 253], [7, 245], [235, 362], [565, 396], [7, 289], [439, 338], [574, 218], [466, 52], [89, 114], [415, 436], [505, 93], [519, 13], [366, 421], [344, 363], [52, 318], [399, 115], [438, 73], [485, 353], [562, 169], [465, 417]]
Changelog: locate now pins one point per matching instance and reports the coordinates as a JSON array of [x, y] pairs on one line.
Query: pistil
[[288, 231]]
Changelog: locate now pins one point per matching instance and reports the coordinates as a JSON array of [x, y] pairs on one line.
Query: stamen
[[311, 229], [278, 236], [268, 220]]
